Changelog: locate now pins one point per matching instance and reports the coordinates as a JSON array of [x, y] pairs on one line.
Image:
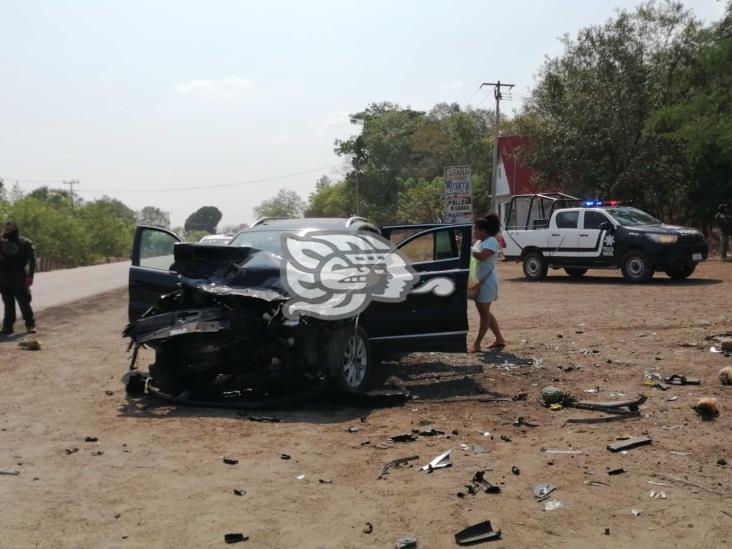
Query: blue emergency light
[[599, 203]]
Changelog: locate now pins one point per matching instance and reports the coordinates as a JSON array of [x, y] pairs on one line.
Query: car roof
[[312, 224]]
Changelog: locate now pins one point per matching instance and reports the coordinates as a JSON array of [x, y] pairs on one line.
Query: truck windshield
[[632, 216]]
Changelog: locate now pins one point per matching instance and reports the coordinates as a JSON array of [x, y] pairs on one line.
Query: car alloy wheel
[[355, 360], [636, 267]]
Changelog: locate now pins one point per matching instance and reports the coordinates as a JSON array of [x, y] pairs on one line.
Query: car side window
[[567, 220], [593, 220], [432, 246], [156, 249]]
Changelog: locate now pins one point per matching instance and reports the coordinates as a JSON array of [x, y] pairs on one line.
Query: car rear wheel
[[575, 272], [347, 355], [681, 273], [535, 266], [637, 267]]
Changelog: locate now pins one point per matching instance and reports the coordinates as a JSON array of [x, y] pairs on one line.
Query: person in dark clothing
[[17, 268], [724, 220]]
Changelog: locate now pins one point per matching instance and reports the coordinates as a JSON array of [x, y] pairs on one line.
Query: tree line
[[638, 109]]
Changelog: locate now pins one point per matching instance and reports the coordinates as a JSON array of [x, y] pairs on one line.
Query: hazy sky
[[133, 97]]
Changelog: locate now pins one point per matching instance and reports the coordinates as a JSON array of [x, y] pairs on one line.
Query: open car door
[[150, 274], [426, 322]]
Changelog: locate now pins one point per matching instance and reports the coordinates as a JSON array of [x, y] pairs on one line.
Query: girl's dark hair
[[490, 224]]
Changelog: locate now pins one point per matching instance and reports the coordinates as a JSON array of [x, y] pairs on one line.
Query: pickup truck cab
[[559, 231]]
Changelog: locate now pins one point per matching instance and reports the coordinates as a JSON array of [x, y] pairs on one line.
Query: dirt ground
[[156, 478]]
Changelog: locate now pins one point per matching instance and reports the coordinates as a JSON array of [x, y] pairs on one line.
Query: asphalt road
[[64, 286]]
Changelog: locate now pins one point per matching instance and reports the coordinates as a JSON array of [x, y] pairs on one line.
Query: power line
[[71, 184]]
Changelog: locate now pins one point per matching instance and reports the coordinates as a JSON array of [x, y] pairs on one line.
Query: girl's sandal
[[496, 345], [473, 349]]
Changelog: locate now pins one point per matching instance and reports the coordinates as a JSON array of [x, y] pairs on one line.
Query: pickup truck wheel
[[535, 266], [681, 273], [574, 272], [637, 267], [347, 355]]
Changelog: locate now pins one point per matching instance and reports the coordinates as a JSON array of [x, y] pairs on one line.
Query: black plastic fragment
[[230, 461], [483, 531], [235, 537]]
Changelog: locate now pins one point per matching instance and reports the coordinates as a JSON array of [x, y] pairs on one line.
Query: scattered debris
[[706, 408], [479, 482], [542, 491], [440, 462], [559, 451], [322, 481], [659, 484], [552, 505], [477, 533], [725, 375], [395, 463], [404, 437], [9, 472], [91, 439], [235, 538], [30, 344], [300, 477], [285, 456], [239, 491], [70, 451], [618, 471], [689, 483], [505, 438], [622, 445], [596, 483], [635, 512], [428, 432], [352, 430], [520, 421], [657, 494], [230, 461], [406, 542], [593, 390], [369, 528], [676, 453], [515, 470], [678, 379]]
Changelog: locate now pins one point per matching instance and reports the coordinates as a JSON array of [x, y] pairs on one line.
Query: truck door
[[590, 236], [150, 274], [564, 234], [426, 322]]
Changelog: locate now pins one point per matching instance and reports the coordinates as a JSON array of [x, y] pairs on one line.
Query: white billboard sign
[[458, 196]]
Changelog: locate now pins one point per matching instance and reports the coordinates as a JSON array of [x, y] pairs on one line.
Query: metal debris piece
[[239, 491], [618, 471], [677, 379], [428, 433], [300, 477], [521, 421], [395, 463], [440, 462], [515, 470], [285, 456], [406, 542], [9, 472], [322, 481], [542, 491], [352, 430], [404, 437], [635, 512], [483, 531], [230, 461], [235, 538], [559, 451], [91, 439], [622, 445], [479, 480], [478, 449], [368, 528], [70, 451], [505, 438], [660, 494]]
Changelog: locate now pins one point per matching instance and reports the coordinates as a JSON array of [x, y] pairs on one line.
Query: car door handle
[[584, 235], [555, 234]]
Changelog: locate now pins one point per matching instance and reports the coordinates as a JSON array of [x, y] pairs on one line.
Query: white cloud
[[231, 86]]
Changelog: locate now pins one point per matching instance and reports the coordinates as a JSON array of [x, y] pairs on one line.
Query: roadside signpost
[[458, 196]]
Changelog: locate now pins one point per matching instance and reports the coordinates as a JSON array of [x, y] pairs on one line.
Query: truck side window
[[593, 220], [567, 220]]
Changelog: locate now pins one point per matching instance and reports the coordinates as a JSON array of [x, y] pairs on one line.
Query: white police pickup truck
[[559, 231]]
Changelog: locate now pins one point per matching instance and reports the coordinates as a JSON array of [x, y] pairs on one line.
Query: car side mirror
[[607, 226]]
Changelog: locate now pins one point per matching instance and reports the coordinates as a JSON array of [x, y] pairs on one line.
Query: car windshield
[[269, 241], [632, 216]]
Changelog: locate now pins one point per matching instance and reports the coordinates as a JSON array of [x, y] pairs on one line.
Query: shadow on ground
[[617, 281]]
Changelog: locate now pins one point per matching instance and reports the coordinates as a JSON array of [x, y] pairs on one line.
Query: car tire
[[637, 267], [347, 355], [574, 272], [681, 273], [535, 266]]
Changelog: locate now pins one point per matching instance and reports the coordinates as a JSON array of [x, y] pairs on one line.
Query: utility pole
[[494, 176], [71, 184]]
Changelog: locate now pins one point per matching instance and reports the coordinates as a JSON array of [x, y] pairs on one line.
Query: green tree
[[285, 204], [150, 215], [589, 111], [330, 200], [58, 198], [109, 226], [421, 201], [205, 218]]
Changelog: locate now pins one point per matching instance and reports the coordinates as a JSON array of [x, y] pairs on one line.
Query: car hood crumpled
[[229, 270]]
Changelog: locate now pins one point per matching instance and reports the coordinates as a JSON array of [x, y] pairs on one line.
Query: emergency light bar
[[599, 203]]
